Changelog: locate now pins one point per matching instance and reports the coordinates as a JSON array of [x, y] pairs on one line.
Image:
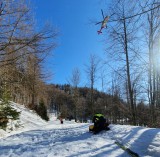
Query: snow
[[37, 138]]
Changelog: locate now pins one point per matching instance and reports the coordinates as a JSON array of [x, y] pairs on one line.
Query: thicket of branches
[[22, 50], [133, 55]]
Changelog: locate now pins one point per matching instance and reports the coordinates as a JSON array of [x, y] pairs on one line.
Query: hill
[[28, 120]]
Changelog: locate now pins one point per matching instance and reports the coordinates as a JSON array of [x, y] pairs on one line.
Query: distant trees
[[111, 106], [143, 114]]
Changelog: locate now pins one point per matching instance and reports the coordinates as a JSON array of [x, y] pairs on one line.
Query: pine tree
[[42, 110], [6, 111]]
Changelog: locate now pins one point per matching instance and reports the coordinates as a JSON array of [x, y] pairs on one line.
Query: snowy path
[[69, 140], [38, 138]]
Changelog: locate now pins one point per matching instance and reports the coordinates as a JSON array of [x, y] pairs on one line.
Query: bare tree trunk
[[92, 76], [75, 80], [128, 75], [154, 31]]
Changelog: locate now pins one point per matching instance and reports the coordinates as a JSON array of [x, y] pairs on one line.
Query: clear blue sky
[[78, 37]]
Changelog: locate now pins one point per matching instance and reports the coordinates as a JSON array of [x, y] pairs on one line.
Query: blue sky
[[77, 38]]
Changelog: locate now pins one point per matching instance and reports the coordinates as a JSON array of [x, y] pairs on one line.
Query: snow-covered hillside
[[28, 120], [38, 138]]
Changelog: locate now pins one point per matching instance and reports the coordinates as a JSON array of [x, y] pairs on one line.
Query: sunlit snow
[[37, 138]]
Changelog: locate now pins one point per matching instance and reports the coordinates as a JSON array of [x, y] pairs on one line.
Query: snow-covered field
[[38, 138]]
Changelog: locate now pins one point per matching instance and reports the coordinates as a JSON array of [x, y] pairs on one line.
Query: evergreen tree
[[6, 111], [42, 110]]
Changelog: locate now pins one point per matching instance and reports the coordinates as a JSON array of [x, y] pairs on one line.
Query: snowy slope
[[49, 139], [28, 120]]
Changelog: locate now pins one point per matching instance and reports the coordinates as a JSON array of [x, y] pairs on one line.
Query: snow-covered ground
[[38, 138]]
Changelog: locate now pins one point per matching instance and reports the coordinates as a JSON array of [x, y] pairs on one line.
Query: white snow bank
[[28, 120], [144, 141]]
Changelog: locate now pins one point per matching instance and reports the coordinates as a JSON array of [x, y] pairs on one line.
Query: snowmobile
[[105, 127]]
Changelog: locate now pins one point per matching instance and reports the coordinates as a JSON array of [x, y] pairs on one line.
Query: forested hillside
[[75, 103]]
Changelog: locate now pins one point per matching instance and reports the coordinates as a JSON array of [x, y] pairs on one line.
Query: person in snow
[[61, 120], [99, 122]]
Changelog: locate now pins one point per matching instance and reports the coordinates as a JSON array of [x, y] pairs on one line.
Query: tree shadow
[[145, 144], [125, 135], [139, 140], [105, 151]]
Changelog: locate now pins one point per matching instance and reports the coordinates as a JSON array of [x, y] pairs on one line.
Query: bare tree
[[152, 32], [123, 47], [75, 80], [91, 71], [20, 41]]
